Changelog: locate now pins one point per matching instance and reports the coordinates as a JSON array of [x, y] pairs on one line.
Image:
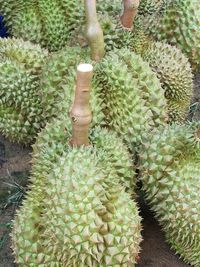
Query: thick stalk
[[94, 33], [129, 12], [80, 114]]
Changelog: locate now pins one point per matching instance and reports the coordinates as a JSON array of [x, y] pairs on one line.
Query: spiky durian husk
[[92, 222], [175, 74], [172, 69], [150, 13], [149, 7], [150, 90], [104, 222], [57, 135], [134, 101], [48, 23], [115, 36], [107, 213], [54, 21], [112, 8], [9, 8], [170, 160], [27, 23], [57, 83], [179, 26], [140, 41], [20, 107], [31, 56]]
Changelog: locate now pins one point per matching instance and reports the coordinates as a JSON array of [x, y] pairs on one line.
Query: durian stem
[[94, 33], [80, 114], [198, 133], [130, 11]]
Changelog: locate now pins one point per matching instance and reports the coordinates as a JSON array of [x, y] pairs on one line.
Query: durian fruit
[[78, 212], [133, 98], [175, 74], [20, 107], [179, 26], [170, 160]]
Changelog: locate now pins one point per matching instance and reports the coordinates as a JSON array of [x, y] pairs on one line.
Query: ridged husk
[[20, 108], [170, 160], [133, 98], [179, 26], [149, 7], [175, 74], [77, 212]]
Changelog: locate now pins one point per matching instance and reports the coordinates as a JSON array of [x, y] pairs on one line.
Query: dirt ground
[[14, 170]]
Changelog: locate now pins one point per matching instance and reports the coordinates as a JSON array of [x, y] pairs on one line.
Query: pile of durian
[[102, 129]]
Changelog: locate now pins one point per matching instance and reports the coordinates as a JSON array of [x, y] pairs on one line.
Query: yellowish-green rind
[[170, 160], [134, 100], [179, 26], [175, 74], [92, 220], [20, 107]]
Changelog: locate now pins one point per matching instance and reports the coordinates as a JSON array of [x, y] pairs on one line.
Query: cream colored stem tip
[[85, 67]]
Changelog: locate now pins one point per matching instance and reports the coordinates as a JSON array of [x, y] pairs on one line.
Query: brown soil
[[14, 168]]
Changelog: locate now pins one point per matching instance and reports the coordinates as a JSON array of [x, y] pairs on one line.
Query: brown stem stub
[[198, 133], [94, 33], [129, 13], [80, 114]]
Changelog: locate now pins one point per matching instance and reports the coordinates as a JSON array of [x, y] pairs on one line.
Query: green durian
[[179, 26], [80, 216], [20, 107], [91, 220], [175, 74], [133, 98], [170, 160]]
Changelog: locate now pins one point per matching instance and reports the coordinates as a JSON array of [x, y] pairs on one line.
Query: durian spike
[[129, 12], [80, 113], [94, 33]]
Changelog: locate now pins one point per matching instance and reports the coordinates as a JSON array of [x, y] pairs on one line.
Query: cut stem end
[[80, 114]]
